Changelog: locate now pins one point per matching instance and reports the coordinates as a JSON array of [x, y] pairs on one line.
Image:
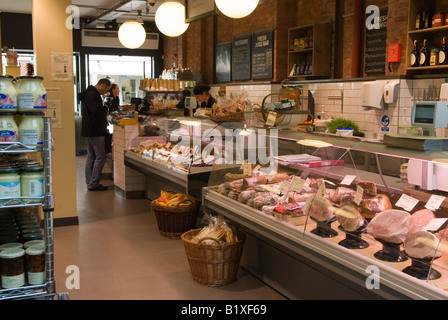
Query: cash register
[[430, 115]]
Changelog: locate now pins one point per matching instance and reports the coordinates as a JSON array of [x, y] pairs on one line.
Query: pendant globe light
[[236, 8], [132, 34], [170, 19]]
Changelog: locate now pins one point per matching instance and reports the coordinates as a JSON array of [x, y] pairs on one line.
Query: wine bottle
[[424, 54], [443, 53], [415, 56], [418, 21]]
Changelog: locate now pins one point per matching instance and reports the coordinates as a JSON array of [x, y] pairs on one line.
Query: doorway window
[[126, 71]]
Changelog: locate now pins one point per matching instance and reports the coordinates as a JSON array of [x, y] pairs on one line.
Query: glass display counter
[[182, 163], [339, 218]]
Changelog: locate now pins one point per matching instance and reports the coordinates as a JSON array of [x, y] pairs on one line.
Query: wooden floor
[[120, 255]]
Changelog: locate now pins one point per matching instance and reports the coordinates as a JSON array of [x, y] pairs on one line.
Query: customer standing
[[94, 128], [201, 92]]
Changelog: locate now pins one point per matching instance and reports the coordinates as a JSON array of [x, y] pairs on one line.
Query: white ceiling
[[88, 8]]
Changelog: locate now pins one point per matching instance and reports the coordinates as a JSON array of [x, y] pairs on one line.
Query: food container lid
[[12, 253], [9, 170], [33, 243], [8, 114], [11, 245], [31, 169], [31, 77], [35, 250]]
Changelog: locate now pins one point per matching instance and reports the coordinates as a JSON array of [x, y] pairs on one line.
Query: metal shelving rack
[[46, 290]]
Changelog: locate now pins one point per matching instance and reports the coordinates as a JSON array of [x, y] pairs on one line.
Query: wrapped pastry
[[269, 210], [391, 226], [377, 204], [237, 185], [233, 194], [340, 192], [246, 195], [349, 218], [422, 244], [318, 207], [280, 177], [234, 176]]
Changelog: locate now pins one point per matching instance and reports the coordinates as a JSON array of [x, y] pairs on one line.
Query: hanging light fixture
[[236, 8], [170, 19], [132, 34]]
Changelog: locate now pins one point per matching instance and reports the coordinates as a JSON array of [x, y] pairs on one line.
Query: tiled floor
[[120, 254]]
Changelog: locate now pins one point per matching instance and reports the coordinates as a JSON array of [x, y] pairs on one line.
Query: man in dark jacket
[[94, 128]]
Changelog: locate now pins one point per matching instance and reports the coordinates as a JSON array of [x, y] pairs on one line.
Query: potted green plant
[[334, 124]]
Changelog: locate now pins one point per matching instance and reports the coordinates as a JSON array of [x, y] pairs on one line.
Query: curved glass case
[[371, 212]]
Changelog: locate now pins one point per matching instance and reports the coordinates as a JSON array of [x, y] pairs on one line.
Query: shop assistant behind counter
[[201, 92]]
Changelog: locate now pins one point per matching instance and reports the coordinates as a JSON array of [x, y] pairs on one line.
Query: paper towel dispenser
[[377, 94], [372, 94]]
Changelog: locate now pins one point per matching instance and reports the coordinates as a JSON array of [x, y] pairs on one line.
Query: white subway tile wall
[[328, 102]]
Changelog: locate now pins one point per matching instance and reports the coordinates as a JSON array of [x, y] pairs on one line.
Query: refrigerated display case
[[339, 219]]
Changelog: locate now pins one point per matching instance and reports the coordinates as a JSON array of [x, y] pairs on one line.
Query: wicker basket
[[173, 221], [213, 264], [232, 117]]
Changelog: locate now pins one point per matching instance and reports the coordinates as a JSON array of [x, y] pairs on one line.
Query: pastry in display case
[[353, 210]]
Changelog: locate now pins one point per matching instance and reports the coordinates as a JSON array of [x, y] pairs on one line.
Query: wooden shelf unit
[[433, 35], [318, 55]]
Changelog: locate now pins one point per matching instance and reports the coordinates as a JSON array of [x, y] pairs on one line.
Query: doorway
[[126, 71]]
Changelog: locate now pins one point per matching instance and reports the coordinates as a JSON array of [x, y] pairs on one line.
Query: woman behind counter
[[113, 101], [201, 92]]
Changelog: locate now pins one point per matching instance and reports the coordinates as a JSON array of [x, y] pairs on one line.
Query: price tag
[[271, 175], [435, 224], [284, 187], [321, 187], [257, 168], [307, 183], [297, 184], [359, 194], [247, 169], [434, 202], [271, 118], [406, 202], [348, 179]]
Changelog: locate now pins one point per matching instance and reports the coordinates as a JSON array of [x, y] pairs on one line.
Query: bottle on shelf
[[443, 53], [428, 20], [418, 21], [425, 54], [415, 56]]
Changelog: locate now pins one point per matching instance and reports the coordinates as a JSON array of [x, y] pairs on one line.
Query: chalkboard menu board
[[376, 48], [241, 58], [262, 54]]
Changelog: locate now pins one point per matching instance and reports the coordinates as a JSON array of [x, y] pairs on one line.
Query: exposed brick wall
[[195, 49]]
